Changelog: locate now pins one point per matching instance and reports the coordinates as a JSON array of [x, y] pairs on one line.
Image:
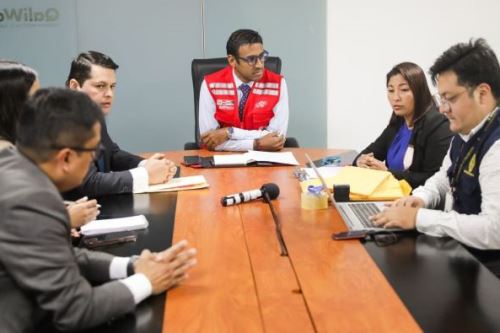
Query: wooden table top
[[242, 284]]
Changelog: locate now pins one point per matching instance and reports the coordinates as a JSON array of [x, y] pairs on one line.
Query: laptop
[[356, 215]]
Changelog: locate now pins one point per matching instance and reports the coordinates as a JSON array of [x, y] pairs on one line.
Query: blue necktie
[[101, 165], [245, 89]]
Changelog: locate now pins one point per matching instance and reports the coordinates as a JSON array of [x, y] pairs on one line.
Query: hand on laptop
[[403, 217], [409, 201]]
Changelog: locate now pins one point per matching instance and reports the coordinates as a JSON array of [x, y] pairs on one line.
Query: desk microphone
[[271, 189]]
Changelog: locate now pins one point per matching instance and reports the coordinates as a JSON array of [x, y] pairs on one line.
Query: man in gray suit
[[42, 277]]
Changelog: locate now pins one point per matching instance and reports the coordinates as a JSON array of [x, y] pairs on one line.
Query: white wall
[[366, 38]]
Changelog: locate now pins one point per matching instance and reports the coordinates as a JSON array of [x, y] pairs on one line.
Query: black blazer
[[115, 179], [430, 140]]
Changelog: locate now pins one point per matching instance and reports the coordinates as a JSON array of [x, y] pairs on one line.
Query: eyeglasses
[[96, 151], [445, 103], [252, 60]]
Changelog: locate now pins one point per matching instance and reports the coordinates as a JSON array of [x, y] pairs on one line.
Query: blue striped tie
[[101, 164], [245, 89]]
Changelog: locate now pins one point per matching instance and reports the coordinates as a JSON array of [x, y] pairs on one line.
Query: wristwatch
[[130, 266], [229, 132]]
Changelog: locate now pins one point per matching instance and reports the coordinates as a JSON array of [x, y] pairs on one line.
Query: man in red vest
[[244, 106]]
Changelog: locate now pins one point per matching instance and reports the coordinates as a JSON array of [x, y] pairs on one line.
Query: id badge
[[448, 202]]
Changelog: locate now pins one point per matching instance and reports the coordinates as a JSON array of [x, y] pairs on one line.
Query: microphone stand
[[279, 235]]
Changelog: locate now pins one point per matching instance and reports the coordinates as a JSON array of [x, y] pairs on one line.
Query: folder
[[178, 184]]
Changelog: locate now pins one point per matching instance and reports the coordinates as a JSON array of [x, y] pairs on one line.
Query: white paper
[[259, 156], [99, 227], [231, 159], [264, 156], [324, 171]]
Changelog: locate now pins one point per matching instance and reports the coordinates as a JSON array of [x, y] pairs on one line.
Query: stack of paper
[[99, 227], [285, 158], [178, 184], [365, 184]]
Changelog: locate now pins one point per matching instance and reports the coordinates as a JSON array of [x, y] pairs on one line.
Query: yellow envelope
[[365, 184]]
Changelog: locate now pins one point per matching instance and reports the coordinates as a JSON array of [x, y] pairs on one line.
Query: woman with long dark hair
[[414, 143], [17, 82]]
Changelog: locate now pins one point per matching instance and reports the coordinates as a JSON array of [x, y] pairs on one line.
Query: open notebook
[[255, 157]]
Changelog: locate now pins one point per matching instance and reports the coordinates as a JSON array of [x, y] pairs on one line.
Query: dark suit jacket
[[114, 179], [42, 277], [431, 138]]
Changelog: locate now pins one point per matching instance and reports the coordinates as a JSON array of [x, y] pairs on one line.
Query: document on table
[[178, 184], [255, 157], [99, 227], [325, 172]]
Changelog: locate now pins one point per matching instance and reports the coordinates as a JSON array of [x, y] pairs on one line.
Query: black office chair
[[202, 67]]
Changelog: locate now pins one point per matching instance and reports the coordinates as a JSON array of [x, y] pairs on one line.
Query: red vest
[[262, 98]]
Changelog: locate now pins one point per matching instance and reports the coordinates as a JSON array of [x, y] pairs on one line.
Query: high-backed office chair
[[202, 67]]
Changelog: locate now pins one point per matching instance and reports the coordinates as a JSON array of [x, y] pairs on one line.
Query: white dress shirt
[[242, 140], [138, 284], [480, 231], [140, 178]]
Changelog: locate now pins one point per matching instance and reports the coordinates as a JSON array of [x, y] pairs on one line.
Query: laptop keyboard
[[363, 211]]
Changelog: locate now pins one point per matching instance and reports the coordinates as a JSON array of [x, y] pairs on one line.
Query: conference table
[[242, 283]]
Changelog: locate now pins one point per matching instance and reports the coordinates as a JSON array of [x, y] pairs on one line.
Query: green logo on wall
[[28, 16]]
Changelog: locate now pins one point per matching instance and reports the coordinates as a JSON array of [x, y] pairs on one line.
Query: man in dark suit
[[115, 171], [43, 279]]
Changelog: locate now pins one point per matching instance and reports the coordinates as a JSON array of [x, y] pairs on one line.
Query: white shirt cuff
[[139, 286], [140, 179], [241, 134], [118, 268], [235, 145], [426, 222], [422, 196]]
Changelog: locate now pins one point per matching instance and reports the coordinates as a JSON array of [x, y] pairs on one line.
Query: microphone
[[272, 191]]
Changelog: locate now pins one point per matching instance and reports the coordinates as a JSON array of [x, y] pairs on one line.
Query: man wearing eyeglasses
[[244, 106], [468, 82], [45, 283], [115, 170]]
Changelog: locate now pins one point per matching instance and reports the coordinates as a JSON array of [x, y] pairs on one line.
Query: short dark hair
[[241, 37], [415, 76], [82, 65], [473, 63], [16, 81], [56, 117]]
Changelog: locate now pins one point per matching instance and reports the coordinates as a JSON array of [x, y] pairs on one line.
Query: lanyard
[[459, 167]]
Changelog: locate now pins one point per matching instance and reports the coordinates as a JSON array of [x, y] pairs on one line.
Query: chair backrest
[[202, 67]]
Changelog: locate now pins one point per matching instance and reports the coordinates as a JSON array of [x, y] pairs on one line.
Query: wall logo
[[28, 16]]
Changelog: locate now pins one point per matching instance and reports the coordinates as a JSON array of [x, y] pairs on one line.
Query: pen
[[69, 202]]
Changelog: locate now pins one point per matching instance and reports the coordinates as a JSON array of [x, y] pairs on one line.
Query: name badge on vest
[[225, 104]]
